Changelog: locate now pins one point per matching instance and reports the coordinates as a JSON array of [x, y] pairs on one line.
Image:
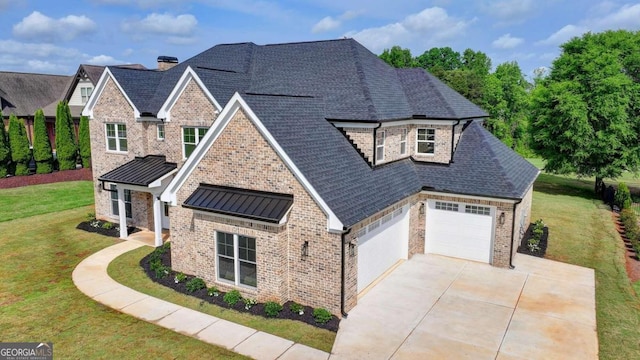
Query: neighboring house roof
[[250, 204], [24, 93], [140, 171]]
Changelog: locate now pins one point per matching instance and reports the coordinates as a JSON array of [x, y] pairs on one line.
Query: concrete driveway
[[434, 307]]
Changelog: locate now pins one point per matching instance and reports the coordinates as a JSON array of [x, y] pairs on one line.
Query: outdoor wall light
[[422, 209], [305, 249], [501, 219]]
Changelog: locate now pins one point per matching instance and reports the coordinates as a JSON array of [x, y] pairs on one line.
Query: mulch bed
[[113, 232], [37, 179], [524, 249], [632, 262], [257, 309]]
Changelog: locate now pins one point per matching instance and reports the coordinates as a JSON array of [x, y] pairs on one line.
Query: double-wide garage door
[[459, 230], [381, 244]]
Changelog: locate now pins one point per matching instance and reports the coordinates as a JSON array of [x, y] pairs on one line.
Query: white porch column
[[122, 211], [157, 219]]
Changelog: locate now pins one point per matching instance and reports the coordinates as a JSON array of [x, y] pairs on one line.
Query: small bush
[[159, 269], [321, 316], [248, 303], [272, 308], [213, 291], [232, 297], [91, 216], [629, 220], [107, 225], [195, 284], [180, 277], [622, 196], [536, 236], [296, 308]]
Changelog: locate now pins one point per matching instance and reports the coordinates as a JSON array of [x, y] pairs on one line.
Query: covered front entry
[[381, 244], [459, 230]]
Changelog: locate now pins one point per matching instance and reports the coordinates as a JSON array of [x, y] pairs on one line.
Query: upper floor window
[[85, 93], [403, 142], [380, 137], [426, 141], [236, 259], [191, 137], [116, 137], [160, 131], [115, 210]]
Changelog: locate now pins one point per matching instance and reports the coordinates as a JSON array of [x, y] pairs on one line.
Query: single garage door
[[459, 230], [381, 244]]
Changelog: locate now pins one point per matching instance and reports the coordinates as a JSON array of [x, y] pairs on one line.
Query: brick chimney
[[166, 62]]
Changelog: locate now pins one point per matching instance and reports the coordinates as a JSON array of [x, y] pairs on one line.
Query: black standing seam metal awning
[[140, 171], [243, 203]]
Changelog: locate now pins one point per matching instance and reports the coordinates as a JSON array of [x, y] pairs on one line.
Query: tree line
[[16, 152], [582, 116]]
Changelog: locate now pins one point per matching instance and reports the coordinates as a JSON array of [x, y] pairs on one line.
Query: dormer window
[[426, 141], [380, 137]]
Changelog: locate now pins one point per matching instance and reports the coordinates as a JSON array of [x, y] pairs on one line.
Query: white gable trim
[[97, 92], [181, 85], [235, 104]]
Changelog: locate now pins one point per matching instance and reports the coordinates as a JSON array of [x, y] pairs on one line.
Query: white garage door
[[459, 230], [381, 244]]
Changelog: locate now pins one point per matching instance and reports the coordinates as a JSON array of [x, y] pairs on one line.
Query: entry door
[[165, 216]]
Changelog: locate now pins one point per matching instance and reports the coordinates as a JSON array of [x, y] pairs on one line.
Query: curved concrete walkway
[[90, 277]]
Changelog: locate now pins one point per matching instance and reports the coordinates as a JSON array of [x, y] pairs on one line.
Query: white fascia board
[[470, 197], [233, 106], [188, 75], [355, 125], [97, 92], [159, 181]]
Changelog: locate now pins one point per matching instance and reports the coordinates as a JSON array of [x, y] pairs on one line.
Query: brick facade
[[363, 138]]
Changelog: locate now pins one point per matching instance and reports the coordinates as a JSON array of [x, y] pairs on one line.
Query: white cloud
[[103, 60], [36, 50], [563, 35], [507, 41], [163, 24], [509, 10], [127, 52], [40, 27], [433, 24], [627, 17], [326, 24], [39, 66], [141, 3]]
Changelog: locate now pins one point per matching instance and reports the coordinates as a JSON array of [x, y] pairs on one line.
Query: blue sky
[[47, 36]]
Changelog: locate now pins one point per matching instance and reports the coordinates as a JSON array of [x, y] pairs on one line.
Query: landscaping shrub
[[296, 308], [213, 291], [272, 308], [84, 142], [248, 303], [42, 152], [321, 315], [66, 149], [536, 236], [5, 151], [19, 143], [180, 277], [160, 270], [622, 197], [629, 219], [195, 284], [232, 297]]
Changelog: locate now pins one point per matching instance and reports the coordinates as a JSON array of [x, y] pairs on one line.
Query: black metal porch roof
[[140, 171]]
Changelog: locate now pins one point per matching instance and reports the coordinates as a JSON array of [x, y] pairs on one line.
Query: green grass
[[40, 303], [629, 178], [581, 232], [42, 199], [126, 270]]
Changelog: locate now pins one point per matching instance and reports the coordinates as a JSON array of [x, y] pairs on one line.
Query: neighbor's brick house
[[303, 171]]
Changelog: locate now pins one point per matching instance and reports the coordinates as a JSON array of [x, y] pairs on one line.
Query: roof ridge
[[28, 73], [486, 138], [363, 84], [438, 92], [308, 42]]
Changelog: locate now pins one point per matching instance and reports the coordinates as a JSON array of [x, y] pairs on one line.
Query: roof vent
[[167, 62]]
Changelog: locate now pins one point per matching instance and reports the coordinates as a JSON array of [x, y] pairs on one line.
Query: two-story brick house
[[303, 171]]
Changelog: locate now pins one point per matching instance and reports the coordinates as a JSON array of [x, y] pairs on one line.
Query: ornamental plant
[[296, 308], [5, 151], [84, 142], [19, 143], [622, 197], [321, 316], [195, 284], [272, 308], [66, 149], [42, 152], [232, 297], [213, 291]]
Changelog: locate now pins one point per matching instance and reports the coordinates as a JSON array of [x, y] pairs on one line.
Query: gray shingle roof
[[140, 171], [23, 93]]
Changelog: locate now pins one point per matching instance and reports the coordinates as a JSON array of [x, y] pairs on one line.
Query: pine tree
[[84, 142], [19, 143], [42, 152], [66, 148], [5, 151]]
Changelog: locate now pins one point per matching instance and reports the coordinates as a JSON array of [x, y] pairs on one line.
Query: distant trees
[[84, 142], [19, 143], [398, 57], [66, 148], [5, 151], [42, 153]]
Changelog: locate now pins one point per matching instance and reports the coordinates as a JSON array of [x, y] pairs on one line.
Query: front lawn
[[581, 232]]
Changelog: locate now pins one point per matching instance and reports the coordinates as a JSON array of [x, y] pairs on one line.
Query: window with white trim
[[474, 209], [85, 93], [426, 141], [115, 210], [236, 259], [441, 205], [160, 131], [403, 142], [191, 137], [380, 138], [116, 137]]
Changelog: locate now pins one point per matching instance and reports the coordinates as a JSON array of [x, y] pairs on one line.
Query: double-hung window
[[160, 131], [191, 137], [85, 93], [114, 202], [403, 142], [426, 141], [380, 138], [116, 137], [236, 259]]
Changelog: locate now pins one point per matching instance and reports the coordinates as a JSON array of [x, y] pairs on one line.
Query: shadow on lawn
[[560, 185]]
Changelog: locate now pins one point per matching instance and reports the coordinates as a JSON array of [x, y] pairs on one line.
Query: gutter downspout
[[453, 138], [343, 273], [375, 144], [513, 228]]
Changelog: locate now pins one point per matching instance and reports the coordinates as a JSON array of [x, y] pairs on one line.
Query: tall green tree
[[439, 60], [66, 149], [42, 153], [19, 143], [5, 150], [586, 113], [476, 61], [84, 142], [398, 57]]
